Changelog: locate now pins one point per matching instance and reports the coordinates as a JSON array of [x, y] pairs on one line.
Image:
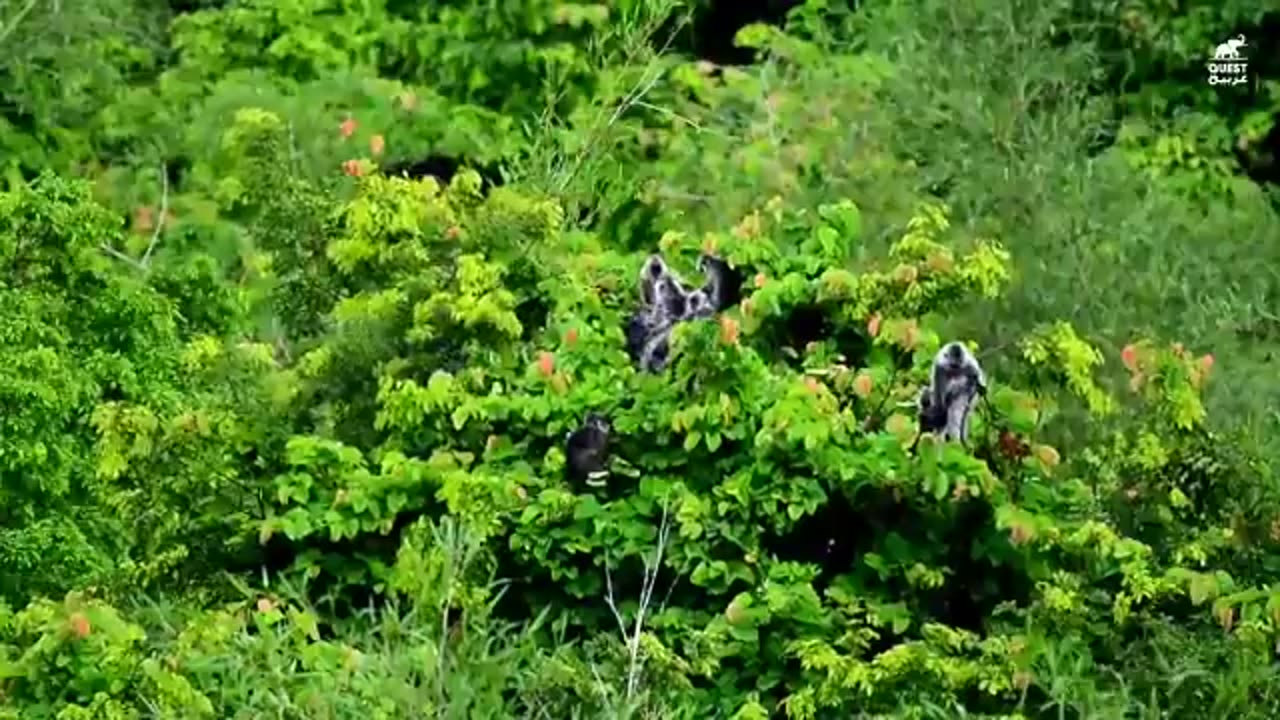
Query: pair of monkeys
[[956, 380]]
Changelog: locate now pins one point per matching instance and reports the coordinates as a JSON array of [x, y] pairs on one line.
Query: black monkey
[[587, 451], [723, 284]]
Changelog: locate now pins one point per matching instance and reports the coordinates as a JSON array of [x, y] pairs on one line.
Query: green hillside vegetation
[[300, 299]]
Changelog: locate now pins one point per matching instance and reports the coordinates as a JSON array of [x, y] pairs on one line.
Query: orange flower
[[873, 325], [1129, 356], [79, 625], [728, 330], [546, 363], [376, 145], [862, 385], [347, 128], [354, 168]]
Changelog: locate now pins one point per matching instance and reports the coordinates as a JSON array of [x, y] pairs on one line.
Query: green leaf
[[1202, 587]]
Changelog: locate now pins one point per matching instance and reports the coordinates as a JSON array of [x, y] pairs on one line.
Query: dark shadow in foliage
[[979, 581], [344, 580], [532, 309], [186, 6], [1262, 162], [839, 535], [531, 588], [715, 22], [632, 225], [826, 539], [21, 123], [443, 168], [813, 323], [175, 170]]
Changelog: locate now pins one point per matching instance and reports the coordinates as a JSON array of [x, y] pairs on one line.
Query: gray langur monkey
[[698, 305], [666, 300], [956, 380], [663, 301], [657, 349]]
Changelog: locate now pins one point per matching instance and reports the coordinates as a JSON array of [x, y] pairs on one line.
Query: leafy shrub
[[741, 458]]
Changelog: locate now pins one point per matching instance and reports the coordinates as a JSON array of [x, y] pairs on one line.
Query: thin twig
[[634, 96], [8, 29], [649, 581], [600, 686], [672, 114], [120, 256], [641, 89], [143, 264], [679, 195], [164, 210], [893, 377]]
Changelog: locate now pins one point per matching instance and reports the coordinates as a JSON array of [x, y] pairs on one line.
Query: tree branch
[[164, 210]]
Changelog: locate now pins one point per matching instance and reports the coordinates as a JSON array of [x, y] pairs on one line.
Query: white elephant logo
[[1230, 50]]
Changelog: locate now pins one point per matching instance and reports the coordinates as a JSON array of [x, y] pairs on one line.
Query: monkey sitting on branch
[[587, 451], [956, 380]]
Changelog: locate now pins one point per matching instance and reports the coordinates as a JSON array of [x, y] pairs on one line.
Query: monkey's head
[[698, 305], [957, 365], [954, 360], [597, 423], [954, 353], [654, 267]]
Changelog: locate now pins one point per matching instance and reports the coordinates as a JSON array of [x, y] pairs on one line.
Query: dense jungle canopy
[[301, 302]]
